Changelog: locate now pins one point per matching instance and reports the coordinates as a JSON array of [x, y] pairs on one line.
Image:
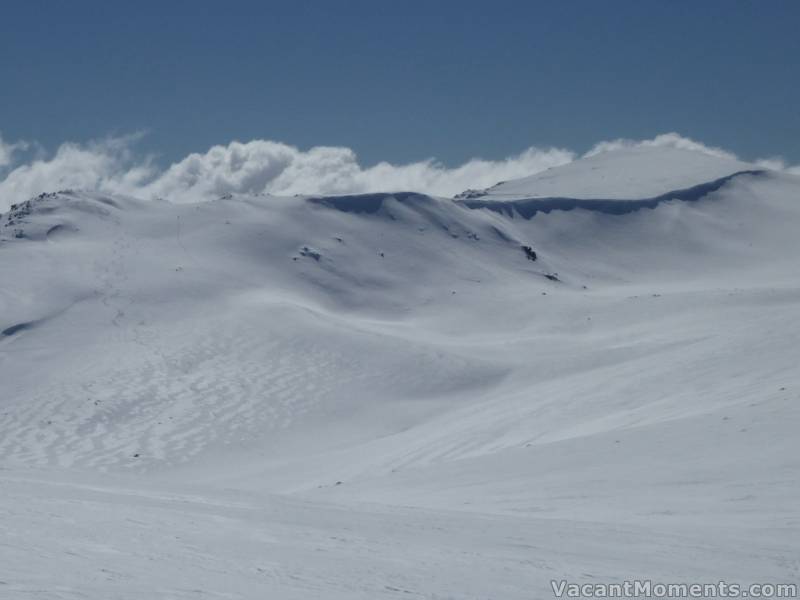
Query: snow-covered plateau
[[590, 374]]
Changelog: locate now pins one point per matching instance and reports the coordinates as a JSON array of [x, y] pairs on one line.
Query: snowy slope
[[382, 396], [622, 174]]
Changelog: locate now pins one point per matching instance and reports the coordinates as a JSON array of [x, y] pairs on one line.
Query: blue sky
[[402, 81]]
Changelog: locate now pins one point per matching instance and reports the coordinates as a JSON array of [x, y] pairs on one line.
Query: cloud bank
[[260, 166], [671, 140]]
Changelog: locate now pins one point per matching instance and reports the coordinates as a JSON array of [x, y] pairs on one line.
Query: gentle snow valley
[[383, 396]]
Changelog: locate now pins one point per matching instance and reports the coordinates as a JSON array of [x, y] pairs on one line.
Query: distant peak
[[625, 173]]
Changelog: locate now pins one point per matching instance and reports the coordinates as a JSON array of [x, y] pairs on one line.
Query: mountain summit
[[620, 174]]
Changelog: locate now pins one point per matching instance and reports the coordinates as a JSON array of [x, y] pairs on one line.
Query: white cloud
[[776, 163], [8, 150], [258, 166], [107, 165], [262, 166], [671, 140]]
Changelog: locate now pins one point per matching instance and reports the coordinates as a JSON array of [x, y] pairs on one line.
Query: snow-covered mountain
[[628, 173], [588, 374]]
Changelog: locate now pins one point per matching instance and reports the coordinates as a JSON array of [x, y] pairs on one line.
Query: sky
[[395, 82]]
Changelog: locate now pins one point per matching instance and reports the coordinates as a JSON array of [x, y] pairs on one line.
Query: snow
[[381, 396], [623, 174]]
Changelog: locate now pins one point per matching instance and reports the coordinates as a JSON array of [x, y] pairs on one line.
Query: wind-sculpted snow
[[378, 395], [528, 207]]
